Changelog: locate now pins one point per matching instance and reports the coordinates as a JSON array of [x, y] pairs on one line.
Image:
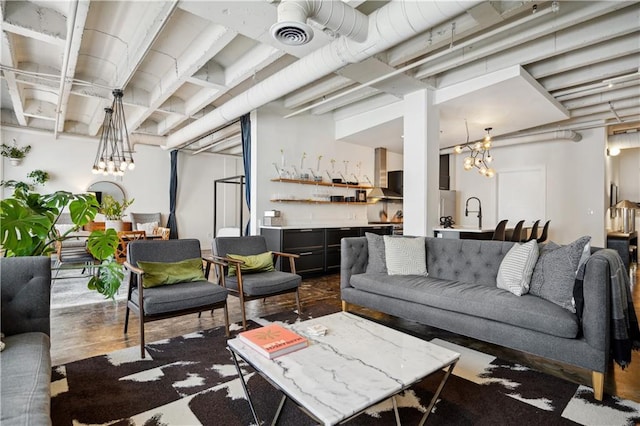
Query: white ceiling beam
[[41, 109], [9, 60], [605, 95], [78, 16], [249, 64], [587, 90], [30, 20], [158, 13], [536, 41], [622, 104], [317, 90], [358, 96], [211, 41], [608, 50], [592, 73]]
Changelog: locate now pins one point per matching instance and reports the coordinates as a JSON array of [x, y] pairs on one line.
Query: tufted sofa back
[[471, 261], [25, 292]]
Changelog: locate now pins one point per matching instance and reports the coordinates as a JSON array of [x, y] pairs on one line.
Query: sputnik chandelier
[[479, 153], [114, 154]]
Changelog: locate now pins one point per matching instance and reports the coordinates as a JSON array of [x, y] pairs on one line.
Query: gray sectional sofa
[[25, 361], [460, 295]]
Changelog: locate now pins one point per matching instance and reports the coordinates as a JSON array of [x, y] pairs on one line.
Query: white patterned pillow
[[405, 256], [148, 228], [516, 268]]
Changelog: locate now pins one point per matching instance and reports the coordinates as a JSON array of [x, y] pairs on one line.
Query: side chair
[[247, 285], [153, 301], [124, 238]]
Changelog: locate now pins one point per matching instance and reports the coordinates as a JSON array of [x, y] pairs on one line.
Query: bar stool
[[499, 232], [534, 231]]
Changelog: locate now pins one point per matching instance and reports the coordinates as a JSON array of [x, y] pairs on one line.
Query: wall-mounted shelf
[[353, 203], [311, 182]]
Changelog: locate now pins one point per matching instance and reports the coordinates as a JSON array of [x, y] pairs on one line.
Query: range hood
[[380, 180]]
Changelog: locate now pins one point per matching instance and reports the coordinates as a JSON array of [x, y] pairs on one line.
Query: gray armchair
[[166, 301], [144, 218], [256, 285]]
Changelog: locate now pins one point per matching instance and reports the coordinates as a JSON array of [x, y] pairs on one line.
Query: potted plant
[[14, 153], [27, 228], [38, 177], [113, 211]]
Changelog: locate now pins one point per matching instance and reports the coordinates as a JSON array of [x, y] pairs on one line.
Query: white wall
[[315, 136], [69, 159], [575, 185]]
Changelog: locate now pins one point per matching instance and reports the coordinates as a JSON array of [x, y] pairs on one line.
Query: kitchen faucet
[[479, 211]]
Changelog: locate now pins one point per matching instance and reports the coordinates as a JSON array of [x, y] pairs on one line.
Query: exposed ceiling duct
[[339, 17], [557, 135], [388, 26], [380, 178]]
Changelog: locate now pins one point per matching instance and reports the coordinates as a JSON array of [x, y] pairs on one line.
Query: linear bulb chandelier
[[114, 154], [479, 153]]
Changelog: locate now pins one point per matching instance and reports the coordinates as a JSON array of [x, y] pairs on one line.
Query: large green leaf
[[108, 280], [83, 209], [18, 224], [102, 244]]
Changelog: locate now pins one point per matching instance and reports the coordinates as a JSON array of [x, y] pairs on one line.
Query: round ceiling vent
[[292, 33]]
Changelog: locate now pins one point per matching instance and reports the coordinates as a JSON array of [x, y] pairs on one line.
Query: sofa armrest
[[25, 293], [354, 255], [597, 304]]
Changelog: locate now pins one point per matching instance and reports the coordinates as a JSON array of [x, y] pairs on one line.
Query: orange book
[[273, 340]]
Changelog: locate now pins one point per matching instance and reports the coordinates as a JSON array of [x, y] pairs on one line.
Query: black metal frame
[[234, 180]]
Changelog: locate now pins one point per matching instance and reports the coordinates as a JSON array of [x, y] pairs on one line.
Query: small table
[[356, 365]]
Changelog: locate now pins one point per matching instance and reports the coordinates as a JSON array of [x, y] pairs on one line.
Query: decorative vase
[[15, 161], [117, 225]]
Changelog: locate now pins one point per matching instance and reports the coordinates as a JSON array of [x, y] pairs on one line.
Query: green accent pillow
[[262, 262], [163, 273]]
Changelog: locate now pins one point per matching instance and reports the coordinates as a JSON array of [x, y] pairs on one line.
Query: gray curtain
[[172, 222], [245, 126]]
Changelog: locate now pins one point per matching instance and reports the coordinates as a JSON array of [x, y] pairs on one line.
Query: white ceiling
[[498, 65]]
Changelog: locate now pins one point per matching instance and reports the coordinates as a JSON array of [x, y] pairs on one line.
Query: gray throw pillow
[[377, 263], [555, 272]]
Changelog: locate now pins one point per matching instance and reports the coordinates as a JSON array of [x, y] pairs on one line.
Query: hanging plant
[[38, 177], [14, 153]]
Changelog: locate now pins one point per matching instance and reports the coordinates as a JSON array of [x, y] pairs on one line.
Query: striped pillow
[[405, 256], [516, 268]]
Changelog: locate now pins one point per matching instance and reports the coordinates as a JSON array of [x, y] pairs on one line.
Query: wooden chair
[[545, 233], [164, 232], [499, 234], [517, 232], [534, 231], [259, 285], [167, 301], [125, 237]]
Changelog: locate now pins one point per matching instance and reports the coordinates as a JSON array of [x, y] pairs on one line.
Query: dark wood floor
[[90, 330]]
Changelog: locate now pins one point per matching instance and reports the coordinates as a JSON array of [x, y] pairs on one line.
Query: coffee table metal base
[[432, 403], [355, 365]]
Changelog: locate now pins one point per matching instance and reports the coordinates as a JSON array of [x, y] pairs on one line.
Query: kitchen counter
[[464, 232]]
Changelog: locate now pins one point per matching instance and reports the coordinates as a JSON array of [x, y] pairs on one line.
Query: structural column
[[421, 163]]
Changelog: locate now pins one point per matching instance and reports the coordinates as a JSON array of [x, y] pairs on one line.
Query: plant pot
[[15, 161], [117, 225]]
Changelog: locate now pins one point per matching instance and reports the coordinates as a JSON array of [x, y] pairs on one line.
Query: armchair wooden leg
[[141, 336], [126, 319], [597, 379], [298, 302], [226, 320], [244, 316]]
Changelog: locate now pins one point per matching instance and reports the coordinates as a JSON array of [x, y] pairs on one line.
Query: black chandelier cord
[[114, 154]]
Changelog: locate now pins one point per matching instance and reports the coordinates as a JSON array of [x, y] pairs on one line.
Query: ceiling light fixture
[[114, 154], [479, 153]]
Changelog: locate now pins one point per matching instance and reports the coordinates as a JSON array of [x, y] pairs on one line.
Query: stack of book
[[273, 340]]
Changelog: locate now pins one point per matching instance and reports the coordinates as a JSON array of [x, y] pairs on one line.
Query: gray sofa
[[25, 361], [460, 295]]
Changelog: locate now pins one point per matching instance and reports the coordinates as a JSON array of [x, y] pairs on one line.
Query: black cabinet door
[[380, 230], [308, 243], [332, 238]]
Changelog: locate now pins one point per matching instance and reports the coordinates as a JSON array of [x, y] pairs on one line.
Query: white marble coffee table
[[356, 365]]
